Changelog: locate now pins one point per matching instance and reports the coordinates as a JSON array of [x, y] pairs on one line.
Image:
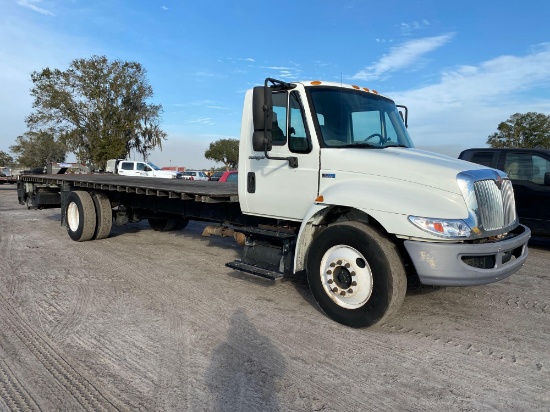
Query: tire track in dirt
[[83, 391], [76, 315], [12, 392], [506, 300], [13, 248], [167, 296], [296, 385], [473, 349], [328, 368]]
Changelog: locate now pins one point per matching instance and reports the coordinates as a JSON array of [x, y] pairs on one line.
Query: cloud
[[402, 56], [284, 72], [31, 47], [164, 8], [408, 28], [201, 120], [210, 104], [468, 102], [32, 5], [489, 82]]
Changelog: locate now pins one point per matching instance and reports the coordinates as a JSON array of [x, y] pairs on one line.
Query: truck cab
[[325, 154]]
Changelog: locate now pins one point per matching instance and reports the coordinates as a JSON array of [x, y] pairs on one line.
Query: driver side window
[[278, 127], [298, 140]]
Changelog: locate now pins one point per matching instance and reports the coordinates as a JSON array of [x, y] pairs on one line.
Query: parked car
[[194, 175], [216, 176], [230, 176], [529, 171], [147, 169]]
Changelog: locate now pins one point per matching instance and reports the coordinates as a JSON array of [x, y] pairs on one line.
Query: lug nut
[[352, 273], [350, 290], [343, 293], [329, 272], [347, 265], [332, 264], [335, 290], [339, 262], [354, 283], [330, 281]]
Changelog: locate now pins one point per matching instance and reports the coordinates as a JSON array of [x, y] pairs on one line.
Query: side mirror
[[258, 141], [262, 116], [406, 117], [547, 179]]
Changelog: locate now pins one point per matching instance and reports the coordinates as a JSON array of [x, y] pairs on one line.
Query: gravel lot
[[155, 321]]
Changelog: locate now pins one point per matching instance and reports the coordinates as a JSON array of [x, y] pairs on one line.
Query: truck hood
[[410, 165]]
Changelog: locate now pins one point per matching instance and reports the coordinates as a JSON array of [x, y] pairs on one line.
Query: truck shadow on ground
[[244, 371]]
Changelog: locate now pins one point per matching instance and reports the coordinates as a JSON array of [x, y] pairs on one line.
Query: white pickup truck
[[329, 184], [146, 169]]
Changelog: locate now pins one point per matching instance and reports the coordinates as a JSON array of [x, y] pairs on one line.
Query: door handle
[[251, 182]]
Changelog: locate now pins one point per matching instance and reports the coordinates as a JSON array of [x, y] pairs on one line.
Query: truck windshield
[[354, 118], [153, 166]]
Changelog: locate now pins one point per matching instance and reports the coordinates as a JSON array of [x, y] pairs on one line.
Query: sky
[[461, 68]]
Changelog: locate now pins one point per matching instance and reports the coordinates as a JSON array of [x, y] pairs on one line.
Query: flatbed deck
[[201, 191]]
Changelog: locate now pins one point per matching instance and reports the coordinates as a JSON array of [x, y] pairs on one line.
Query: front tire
[[81, 216], [356, 274]]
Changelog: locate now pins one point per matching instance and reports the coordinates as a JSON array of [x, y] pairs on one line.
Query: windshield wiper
[[396, 145], [361, 145]]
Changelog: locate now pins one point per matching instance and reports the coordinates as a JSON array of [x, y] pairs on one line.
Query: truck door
[[277, 190], [530, 175], [143, 169]]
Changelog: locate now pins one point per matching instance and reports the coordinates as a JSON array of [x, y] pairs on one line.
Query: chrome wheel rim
[[73, 216], [346, 276]]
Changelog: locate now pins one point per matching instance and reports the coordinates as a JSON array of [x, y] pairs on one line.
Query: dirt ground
[[155, 322]]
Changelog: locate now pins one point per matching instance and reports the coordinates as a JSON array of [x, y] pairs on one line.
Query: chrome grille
[[496, 205]]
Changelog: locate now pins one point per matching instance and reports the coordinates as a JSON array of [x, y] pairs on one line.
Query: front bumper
[[466, 264]]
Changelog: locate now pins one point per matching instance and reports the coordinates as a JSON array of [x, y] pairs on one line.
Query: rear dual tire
[[88, 215], [104, 212], [81, 216]]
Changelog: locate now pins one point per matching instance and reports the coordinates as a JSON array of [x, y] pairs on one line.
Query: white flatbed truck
[[330, 184]]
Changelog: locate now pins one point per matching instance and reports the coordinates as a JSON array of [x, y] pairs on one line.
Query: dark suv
[[216, 176], [529, 171]]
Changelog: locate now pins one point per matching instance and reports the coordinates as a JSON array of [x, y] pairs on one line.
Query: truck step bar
[[254, 270]]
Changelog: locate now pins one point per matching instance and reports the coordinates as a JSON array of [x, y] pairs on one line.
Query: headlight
[[448, 228]]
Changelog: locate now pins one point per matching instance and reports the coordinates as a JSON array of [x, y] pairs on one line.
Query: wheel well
[[324, 218]]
